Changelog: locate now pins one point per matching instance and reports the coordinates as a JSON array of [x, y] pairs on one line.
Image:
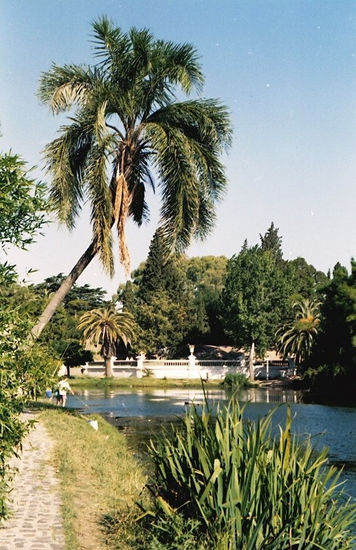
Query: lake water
[[140, 413]]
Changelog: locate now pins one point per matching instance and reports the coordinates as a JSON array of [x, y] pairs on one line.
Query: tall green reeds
[[247, 489]]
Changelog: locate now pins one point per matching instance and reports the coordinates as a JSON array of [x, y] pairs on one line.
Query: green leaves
[[106, 327], [246, 489], [22, 203], [297, 337], [254, 299], [127, 121]]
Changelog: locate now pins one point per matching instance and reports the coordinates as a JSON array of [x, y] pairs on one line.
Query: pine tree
[[273, 242]]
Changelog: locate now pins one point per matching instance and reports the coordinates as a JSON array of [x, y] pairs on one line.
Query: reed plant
[[247, 488]]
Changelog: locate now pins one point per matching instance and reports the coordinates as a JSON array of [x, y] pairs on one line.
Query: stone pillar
[[140, 365]]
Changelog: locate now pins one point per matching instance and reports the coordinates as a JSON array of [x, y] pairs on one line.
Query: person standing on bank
[[63, 388]]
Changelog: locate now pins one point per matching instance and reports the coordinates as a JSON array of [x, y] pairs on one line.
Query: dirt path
[[36, 522]]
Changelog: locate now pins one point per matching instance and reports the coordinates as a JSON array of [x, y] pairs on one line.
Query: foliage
[[235, 381], [255, 298], [126, 115], [247, 489], [25, 372], [304, 280], [106, 327], [63, 336], [160, 299], [336, 342], [272, 241], [25, 369], [207, 276], [174, 299], [79, 298], [22, 202], [174, 532], [297, 338]]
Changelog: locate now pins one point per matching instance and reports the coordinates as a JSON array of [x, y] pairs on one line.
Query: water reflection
[[153, 402]]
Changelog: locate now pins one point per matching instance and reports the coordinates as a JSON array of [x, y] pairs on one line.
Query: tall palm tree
[[106, 326], [297, 337], [125, 123]]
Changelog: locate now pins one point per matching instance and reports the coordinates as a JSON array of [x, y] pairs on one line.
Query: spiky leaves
[[297, 338], [247, 489], [106, 327]]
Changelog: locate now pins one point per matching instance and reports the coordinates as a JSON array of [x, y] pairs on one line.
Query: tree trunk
[[108, 362], [63, 290], [250, 362]]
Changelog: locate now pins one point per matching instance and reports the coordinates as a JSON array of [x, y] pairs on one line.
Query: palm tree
[[125, 123], [297, 337], [106, 327]]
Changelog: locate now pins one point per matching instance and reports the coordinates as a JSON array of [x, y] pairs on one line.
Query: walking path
[[36, 522]]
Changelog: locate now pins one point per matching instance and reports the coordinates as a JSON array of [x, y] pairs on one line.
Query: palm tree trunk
[[108, 362], [250, 362], [77, 270], [63, 290]]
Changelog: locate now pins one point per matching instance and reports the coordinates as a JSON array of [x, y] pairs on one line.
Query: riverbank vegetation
[[176, 300], [210, 483], [229, 484], [100, 481], [145, 382]]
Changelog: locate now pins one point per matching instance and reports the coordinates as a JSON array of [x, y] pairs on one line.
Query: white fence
[[190, 368]]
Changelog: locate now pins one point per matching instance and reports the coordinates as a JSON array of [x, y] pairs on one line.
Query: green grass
[[99, 477], [147, 382]]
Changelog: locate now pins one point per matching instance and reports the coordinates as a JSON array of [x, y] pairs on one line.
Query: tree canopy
[[22, 202], [254, 299], [126, 124]]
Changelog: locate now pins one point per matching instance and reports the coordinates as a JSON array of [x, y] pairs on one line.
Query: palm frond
[[110, 43], [127, 114], [106, 326], [187, 138], [179, 65], [61, 87], [65, 158], [100, 199]]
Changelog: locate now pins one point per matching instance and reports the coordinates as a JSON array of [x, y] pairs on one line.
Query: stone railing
[[190, 368]]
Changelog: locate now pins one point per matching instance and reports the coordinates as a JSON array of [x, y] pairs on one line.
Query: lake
[[140, 413]]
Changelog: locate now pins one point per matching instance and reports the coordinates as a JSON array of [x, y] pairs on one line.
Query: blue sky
[[284, 68]]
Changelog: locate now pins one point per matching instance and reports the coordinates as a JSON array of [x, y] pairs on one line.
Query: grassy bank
[[100, 480], [147, 382]]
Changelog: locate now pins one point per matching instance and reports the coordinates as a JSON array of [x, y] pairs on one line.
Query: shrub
[[235, 381], [25, 370], [246, 489]]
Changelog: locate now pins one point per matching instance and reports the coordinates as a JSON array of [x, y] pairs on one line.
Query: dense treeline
[[213, 300], [256, 300]]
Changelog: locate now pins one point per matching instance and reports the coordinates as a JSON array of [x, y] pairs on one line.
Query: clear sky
[[285, 69]]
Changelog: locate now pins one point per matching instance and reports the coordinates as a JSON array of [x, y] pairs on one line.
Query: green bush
[[25, 371], [247, 489], [235, 381]]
